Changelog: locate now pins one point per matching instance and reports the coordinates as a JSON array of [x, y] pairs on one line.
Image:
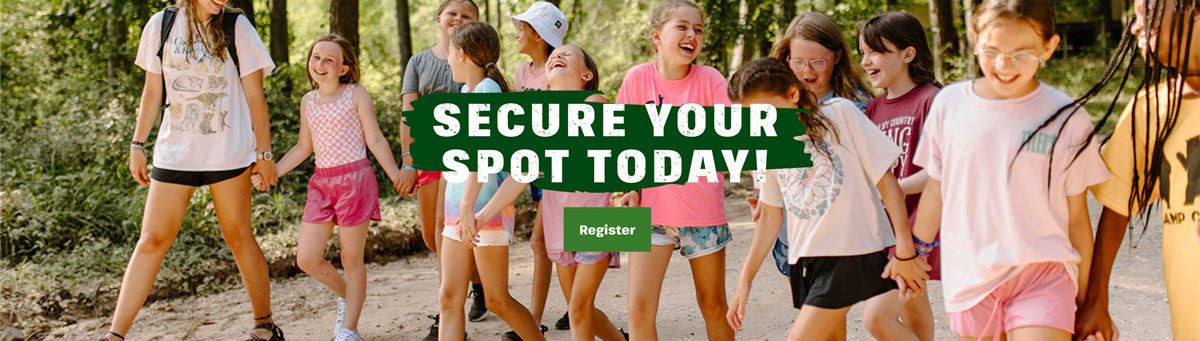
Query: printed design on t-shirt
[[1191, 165], [1042, 143], [187, 84], [660, 100], [217, 83], [899, 130], [200, 87], [808, 192]]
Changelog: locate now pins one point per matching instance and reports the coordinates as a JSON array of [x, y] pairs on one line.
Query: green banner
[[599, 147], [606, 229]]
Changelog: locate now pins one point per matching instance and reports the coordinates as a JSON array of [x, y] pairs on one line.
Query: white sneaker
[[341, 316], [344, 334]]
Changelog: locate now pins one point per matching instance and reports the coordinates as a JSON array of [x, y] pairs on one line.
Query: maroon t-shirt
[[901, 119]]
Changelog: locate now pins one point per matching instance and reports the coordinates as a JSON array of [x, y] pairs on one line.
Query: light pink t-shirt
[[695, 203], [998, 215], [553, 203], [531, 80]]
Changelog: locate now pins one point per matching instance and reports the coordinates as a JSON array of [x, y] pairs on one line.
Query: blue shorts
[[780, 253], [535, 192], [692, 242]]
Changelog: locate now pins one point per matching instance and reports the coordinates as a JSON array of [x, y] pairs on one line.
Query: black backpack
[[228, 25]]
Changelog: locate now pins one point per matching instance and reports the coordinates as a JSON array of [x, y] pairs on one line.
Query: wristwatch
[[265, 156]]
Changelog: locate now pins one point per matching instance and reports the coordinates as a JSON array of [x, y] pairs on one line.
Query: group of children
[[993, 170]]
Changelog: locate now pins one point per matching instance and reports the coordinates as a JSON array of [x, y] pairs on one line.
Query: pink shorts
[[347, 195], [575, 258], [424, 177], [1041, 295]]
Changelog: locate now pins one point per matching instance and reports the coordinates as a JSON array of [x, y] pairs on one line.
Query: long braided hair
[[1164, 71]]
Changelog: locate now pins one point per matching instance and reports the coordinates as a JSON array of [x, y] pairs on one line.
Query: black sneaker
[[433, 330], [512, 335], [563, 323], [478, 307]]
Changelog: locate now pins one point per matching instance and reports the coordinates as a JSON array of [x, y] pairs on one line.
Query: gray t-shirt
[[427, 74]]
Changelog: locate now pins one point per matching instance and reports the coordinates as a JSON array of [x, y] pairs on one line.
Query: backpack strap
[[168, 20], [229, 26]]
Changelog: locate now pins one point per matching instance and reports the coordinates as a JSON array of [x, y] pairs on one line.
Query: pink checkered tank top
[[337, 134]]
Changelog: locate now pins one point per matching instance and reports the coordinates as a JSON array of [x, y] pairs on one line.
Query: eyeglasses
[[1018, 59], [818, 65]]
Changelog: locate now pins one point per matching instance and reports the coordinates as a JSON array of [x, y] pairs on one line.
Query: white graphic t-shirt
[[833, 207], [206, 126]]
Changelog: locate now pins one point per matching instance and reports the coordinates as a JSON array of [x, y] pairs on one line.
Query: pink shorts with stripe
[[1041, 295]]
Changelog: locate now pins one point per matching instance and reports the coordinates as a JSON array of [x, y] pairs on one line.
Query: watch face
[[267, 155]]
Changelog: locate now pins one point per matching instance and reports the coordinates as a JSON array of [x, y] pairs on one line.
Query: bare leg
[[354, 240], [456, 260], [815, 323], [492, 261], [541, 268], [708, 274], [646, 271], [588, 322], [882, 317], [231, 201], [919, 317], [310, 256], [166, 204]]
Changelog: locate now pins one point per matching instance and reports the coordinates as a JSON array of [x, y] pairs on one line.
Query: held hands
[[910, 275], [265, 170], [406, 183], [1093, 323], [737, 307], [629, 199], [137, 167], [754, 211]]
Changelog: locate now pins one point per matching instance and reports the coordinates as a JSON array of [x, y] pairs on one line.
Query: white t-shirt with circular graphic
[[833, 207]]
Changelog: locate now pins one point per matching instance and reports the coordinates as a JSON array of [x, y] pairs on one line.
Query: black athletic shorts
[[194, 179], [839, 282]]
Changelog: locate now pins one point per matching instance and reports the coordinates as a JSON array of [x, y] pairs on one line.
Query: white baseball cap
[[547, 20]]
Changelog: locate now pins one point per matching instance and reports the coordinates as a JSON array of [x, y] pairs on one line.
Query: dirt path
[[402, 293]]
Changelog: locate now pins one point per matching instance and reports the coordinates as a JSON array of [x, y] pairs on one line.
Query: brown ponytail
[[771, 76], [481, 44]]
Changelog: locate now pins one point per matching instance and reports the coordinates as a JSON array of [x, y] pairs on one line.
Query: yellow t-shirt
[[1178, 188]]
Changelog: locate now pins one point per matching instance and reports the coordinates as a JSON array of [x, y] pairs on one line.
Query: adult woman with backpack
[[205, 64]]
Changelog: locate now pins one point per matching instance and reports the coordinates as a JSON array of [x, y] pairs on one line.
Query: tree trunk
[[118, 33], [343, 20], [279, 31], [969, 21], [247, 7], [945, 34], [405, 33]]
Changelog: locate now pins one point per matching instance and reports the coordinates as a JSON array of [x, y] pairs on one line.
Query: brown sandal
[[276, 333], [106, 335]]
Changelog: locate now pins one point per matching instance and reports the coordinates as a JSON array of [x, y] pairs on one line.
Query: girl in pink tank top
[[337, 122]]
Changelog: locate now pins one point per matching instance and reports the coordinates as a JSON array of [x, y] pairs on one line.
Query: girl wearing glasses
[[814, 49], [1009, 159]]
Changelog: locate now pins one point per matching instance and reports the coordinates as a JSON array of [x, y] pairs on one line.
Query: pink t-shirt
[[530, 80], [998, 215], [553, 203], [695, 203]]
